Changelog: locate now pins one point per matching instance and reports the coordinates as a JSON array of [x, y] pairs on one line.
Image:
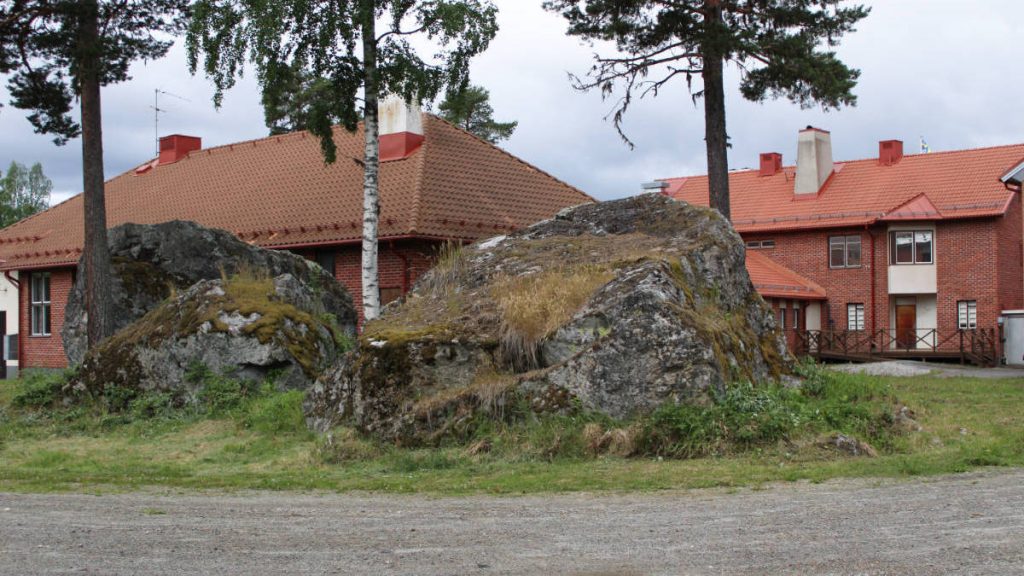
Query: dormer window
[[911, 247]]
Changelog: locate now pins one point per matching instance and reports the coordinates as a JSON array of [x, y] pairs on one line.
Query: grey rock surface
[[152, 261], [616, 307], [249, 328]]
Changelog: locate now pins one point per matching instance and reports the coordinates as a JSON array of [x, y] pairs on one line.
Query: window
[[967, 313], [756, 244], [796, 319], [325, 258], [782, 318], [855, 316], [844, 251], [40, 304], [911, 247]]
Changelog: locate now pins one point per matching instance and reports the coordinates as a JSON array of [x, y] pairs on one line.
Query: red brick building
[[896, 252], [437, 183]]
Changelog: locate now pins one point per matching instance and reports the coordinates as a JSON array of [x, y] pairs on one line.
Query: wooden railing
[[978, 346]]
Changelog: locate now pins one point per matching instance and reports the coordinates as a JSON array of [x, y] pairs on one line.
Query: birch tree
[[354, 48], [57, 51], [23, 192], [781, 48]]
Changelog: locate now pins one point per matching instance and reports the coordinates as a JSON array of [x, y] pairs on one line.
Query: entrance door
[[906, 325]]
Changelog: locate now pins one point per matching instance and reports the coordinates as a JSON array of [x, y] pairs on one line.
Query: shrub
[[39, 390], [276, 413], [344, 445]]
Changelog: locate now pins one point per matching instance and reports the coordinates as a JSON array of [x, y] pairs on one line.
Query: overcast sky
[[931, 68]]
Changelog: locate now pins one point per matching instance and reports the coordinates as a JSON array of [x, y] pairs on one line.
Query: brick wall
[[1011, 257], [43, 351], [806, 253], [966, 259], [981, 259], [400, 264]]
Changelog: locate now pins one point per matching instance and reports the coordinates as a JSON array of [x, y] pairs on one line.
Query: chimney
[[771, 163], [177, 146], [813, 160], [890, 152], [401, 128], [655, 187]]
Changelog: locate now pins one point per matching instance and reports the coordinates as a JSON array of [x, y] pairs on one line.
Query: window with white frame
[[844, 251], [782, 318], [911, 247], [796, 318], [40, 293], [967, 313], [855, 316], [759, 244]]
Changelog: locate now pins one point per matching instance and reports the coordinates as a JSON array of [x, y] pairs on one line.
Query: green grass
[[246, 437]]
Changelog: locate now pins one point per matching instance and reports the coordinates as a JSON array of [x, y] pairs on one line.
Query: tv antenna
[[156, 113]]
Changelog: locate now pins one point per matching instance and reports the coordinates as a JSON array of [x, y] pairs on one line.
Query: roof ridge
[[510, 155], [867, 159]]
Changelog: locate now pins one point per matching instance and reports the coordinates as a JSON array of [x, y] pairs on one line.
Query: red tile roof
[[277, 192], [958, 184], [773, 280]]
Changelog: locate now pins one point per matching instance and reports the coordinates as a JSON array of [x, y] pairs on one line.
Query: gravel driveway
[[966, 524]]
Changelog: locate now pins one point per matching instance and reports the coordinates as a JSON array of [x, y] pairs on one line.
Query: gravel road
[[965, 524]]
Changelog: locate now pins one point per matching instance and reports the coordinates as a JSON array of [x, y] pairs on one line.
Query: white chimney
[[813, 160], [397, 116], [401, 128]]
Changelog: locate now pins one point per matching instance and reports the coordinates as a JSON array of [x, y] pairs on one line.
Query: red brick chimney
[[890, 152], [177, 146], [771, 163]]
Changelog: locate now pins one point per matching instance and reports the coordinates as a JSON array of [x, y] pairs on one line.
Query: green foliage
[[43, 50], [777, 45], [747, 416], [23, 192], [275, 413], [967, 423], [37, 390], [314, 57], [220, 394], [470, 109]]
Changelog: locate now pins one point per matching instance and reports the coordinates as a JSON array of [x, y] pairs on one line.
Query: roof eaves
[[1015, 175]]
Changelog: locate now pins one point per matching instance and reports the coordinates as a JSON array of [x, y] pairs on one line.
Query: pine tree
[[470, 109], [776, 44], [56, 51], [355, 47]]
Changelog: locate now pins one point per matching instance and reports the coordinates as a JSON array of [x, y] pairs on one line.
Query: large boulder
[[152, 261], [248, 326], [616, 307]]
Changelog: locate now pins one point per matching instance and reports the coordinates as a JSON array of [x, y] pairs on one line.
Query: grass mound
[[247, 435]]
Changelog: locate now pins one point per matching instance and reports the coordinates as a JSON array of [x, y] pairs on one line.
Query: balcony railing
[[978, 346]]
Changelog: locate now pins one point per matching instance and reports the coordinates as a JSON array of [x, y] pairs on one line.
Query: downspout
[[12, 279]]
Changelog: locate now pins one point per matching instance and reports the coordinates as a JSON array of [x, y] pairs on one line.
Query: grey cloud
[[929, 68]]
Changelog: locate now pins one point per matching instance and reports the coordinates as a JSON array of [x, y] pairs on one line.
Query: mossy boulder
[[618, 307], [249, 327], [151, 262]]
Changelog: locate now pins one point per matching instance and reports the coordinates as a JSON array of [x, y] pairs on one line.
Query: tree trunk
[[371, 197], [715, 135], [96, 255]]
